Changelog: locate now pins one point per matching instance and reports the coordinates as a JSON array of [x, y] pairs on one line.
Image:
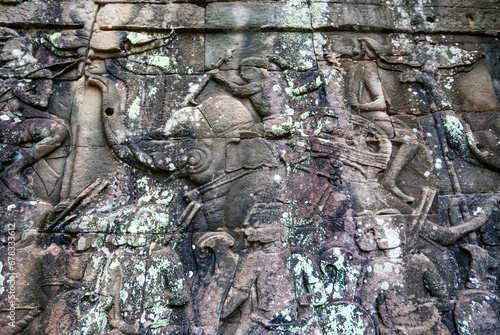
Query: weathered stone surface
[[368, 16], [258, 16], [71, 13], [249, 167], [151, 16]]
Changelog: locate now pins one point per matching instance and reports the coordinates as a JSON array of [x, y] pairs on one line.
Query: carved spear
[[191, 98]]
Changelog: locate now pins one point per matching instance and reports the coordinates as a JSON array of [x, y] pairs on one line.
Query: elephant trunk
[[127, 147]]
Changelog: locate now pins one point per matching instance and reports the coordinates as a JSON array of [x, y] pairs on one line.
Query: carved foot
[[397, 192], [16, 184]]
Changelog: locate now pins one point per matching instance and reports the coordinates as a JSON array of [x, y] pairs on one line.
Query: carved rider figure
[[253, 71], [24, 119], [367, 96]]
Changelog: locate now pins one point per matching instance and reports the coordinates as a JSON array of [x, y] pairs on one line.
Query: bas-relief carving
[[267, 199]]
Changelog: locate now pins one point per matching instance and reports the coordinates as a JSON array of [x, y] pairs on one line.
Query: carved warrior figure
[[403, 288], [401, 300], [275, 274], [429, 65], [367, 97], [154, 297], [326, 79], [141, 263], [478, 299], [341, 276], [79, 275], [253, 72], [25, 278], [24, 118]]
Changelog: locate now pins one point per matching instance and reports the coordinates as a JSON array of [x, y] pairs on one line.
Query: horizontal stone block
[[75, 13], [361, 2], [439, 19], [296, 48], [104, 2], [327, 15], [150, 16], [11, 2], [492, 4], [255, 15]]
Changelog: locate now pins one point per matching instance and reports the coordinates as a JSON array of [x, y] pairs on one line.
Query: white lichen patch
[[438, 164], [134, 111], [344, 318]]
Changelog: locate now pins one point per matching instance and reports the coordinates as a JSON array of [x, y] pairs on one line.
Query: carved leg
[[405, 154], [47, 135]]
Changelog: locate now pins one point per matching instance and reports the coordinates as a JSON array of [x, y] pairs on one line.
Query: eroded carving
[[315, 179], [24, 119]]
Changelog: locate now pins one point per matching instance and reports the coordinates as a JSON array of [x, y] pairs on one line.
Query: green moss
[[139, 38], [454, 127], [343, 319], [163, 62], [134, 111]]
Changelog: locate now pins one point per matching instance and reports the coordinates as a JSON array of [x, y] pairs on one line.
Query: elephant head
[[218, 136]]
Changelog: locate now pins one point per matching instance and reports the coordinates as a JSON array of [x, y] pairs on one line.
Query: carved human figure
[[30, 299], [253, 72], [478, 299], [324, 78], [434, 238], [367, 97], [130, 283], [429, 65], [399, 315], [365, 94], [426, 63], [484, 143], [380, 232], [84, 261], [24, 118], [341, 270], [130, 289], [412, 279], [413, 300], [271, 271], [462, 223], [22, 259]]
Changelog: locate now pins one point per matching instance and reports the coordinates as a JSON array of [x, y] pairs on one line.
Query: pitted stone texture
[[229, 16], [151, 16], [354, 16], [72, 13], [296, 48]]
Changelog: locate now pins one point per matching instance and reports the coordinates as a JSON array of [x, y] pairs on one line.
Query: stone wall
[[249, 167]]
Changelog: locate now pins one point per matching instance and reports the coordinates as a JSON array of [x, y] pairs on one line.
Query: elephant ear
[[249, 154]]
